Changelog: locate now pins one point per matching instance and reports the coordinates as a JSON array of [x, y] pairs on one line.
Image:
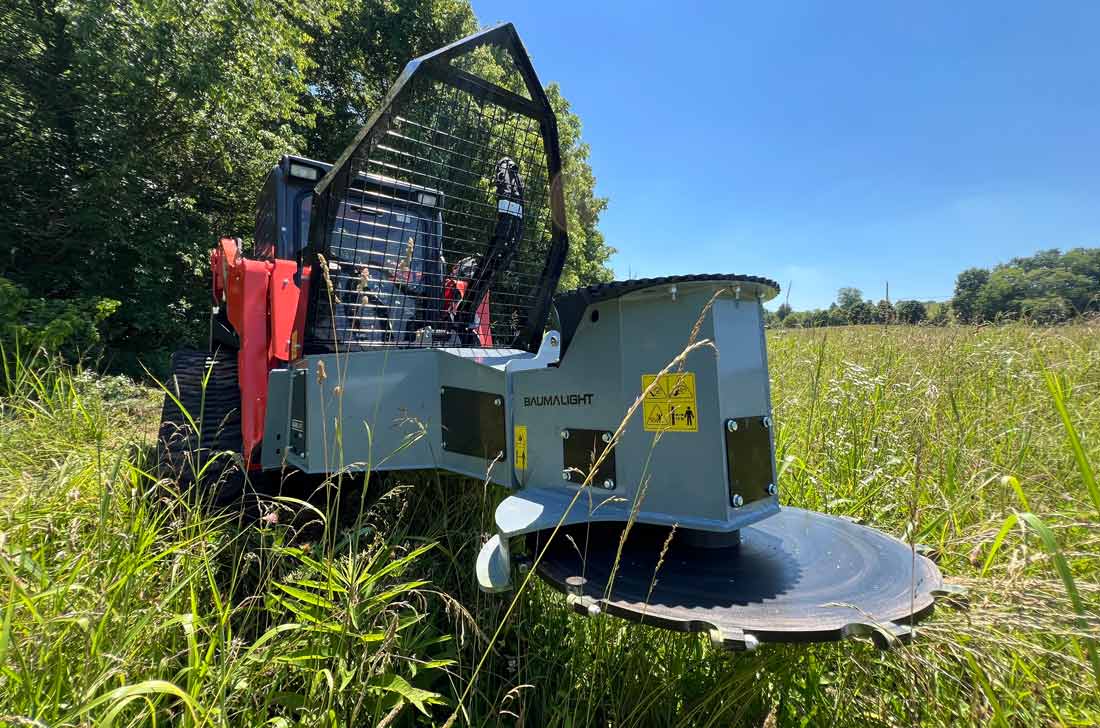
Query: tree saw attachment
[[672, 516], [396, 319]]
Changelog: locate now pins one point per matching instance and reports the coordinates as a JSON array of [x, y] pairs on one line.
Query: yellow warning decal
[[521, 447], [670, 405]]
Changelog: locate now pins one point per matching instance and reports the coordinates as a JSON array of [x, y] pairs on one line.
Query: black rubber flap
[[749, 459], [581, 450], [473, 423], [798, 576]]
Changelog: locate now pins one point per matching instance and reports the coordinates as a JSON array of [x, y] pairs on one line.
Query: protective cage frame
[[519, 315]]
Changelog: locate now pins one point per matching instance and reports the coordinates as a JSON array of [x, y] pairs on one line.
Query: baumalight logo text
[[558, 400]]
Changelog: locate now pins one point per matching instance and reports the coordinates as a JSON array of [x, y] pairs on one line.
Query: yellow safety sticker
[[521, 447], [670, 405]]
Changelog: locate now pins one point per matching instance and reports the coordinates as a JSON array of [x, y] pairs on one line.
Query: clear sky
[[830, 144]]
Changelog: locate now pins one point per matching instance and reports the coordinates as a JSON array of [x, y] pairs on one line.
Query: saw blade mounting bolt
[[737, 500], [575, 585]]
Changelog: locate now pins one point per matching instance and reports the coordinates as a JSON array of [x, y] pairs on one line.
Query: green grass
[[124, 606]]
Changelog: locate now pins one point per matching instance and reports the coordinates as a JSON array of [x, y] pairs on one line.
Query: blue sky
[[830, 144]]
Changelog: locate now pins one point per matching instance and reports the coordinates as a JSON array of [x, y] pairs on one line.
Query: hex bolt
[[772, 489], [497, 401], [565, 475], [767, 422], [738, 501], [565, 434], [609, 484], [606, 437], [731, 425], [553, 341]]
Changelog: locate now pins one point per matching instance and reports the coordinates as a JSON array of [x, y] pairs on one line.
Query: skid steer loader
[[409, 288]]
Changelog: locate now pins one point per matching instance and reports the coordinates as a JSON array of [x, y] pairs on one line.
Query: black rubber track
[[182, 453]]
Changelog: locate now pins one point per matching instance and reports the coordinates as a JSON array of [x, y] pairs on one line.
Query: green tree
[[355, 64], [142, 131], [968, 287], [588, 251], [884, 312], [783, 311], [939, 314], [861, 312], [846, 298], [911, 312]]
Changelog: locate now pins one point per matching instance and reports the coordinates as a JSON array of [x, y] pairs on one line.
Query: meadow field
[[122, 605]]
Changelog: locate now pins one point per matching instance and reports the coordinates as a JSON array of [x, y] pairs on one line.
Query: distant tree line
[[1049, 287]]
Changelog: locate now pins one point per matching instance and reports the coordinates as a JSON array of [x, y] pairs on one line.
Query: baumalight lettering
[[558, 400]]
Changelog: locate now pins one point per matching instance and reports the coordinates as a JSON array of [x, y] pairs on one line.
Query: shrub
[[68, 326]]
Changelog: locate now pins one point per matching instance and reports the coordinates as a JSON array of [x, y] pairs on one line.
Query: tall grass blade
[[1057, 392], [1050, 545]]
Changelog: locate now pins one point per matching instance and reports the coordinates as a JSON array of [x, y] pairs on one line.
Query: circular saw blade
[[798, 576]]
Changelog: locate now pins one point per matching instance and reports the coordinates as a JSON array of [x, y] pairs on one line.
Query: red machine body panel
[[284, 304], [266, 309], [454, 290]]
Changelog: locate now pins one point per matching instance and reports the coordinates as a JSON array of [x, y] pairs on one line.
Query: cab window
[[265, 234]]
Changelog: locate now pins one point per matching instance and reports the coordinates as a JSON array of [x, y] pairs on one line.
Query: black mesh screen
[[436, 226]]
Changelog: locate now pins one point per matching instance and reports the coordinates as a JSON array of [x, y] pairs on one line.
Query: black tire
[[206, 465]]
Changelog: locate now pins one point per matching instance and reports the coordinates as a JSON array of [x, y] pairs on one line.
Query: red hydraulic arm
[[266, 308]]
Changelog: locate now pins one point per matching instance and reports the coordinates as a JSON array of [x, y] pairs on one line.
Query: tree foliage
[[136, 133], [852, 308], [911, 312], [1047, 287]]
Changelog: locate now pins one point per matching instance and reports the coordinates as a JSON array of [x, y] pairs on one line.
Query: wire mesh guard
[[435, 228]]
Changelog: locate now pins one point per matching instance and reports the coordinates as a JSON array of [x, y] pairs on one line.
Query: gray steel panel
[[276, 420], [684, 472], [742, 361], [381, 409]]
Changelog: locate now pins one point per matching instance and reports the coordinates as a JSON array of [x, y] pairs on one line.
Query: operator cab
[[377, 209], [385, 249]]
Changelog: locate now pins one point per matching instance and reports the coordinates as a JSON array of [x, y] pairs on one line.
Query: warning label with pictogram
[[521, 447], [670, 405]]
